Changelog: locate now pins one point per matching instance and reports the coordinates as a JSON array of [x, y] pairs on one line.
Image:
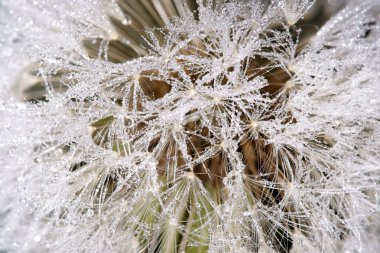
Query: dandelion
[[194, 126]]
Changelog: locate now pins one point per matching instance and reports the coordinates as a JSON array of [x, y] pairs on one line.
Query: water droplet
[[126, 21], [89, 213], [37, 238]]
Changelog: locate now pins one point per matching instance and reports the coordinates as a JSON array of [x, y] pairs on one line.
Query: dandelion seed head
[[219, 126]]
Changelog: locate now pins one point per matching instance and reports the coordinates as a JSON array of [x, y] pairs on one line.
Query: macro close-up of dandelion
[[190, 126]]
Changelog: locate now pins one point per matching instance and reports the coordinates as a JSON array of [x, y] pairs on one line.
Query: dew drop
[[37, 238]]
